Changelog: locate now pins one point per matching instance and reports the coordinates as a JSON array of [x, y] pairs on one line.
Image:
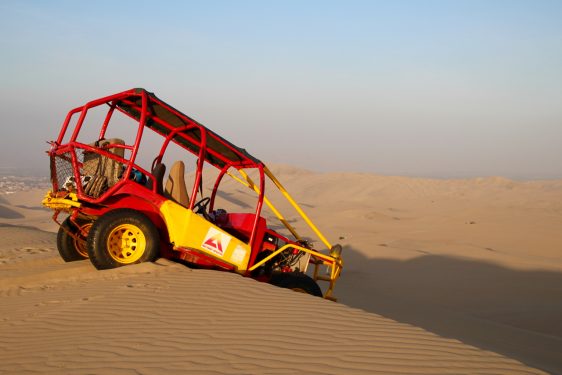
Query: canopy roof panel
[[165, 119]]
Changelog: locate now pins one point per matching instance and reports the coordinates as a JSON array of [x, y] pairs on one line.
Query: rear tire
[[299, 282], [122, 237], [70, 248]]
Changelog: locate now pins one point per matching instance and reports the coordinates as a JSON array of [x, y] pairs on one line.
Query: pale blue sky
[[420, 88]]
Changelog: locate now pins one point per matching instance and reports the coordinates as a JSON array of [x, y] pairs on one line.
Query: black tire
[[122, 237], [296, 281], [70, 248]]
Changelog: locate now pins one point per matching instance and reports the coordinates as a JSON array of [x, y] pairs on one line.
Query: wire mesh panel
[[61, 171], [97, 172]]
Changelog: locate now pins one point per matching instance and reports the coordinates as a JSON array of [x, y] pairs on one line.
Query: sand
[[441, 276]]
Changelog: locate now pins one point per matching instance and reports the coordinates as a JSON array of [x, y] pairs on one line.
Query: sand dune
[[447, 274], [165, 318]]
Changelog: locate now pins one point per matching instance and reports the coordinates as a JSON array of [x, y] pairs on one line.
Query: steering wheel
[[201, 207]]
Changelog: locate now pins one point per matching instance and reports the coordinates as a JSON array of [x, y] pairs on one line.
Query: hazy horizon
[[428, 89]]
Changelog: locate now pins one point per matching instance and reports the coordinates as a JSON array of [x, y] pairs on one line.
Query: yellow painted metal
[[333, 261], [325, 258], [60, 203], [250, 183], [335, 264], [126, 243], [297, 207], [189, 230]]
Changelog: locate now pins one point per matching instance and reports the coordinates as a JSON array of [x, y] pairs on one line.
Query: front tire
[[299, 282], [71, 248], [122, 237]]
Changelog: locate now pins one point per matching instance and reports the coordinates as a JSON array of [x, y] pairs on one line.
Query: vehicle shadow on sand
[[512, 312]]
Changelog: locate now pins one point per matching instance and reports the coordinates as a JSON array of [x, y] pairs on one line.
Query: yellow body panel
[[189, 230]]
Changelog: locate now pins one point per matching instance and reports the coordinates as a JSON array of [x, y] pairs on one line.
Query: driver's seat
[[175, 186]]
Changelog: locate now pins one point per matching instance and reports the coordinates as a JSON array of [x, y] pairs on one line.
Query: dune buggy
[[121, 211]]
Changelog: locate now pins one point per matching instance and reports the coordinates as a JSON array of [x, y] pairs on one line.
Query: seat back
[[111, 168], [158, 172], [175, 186], [104, 171]]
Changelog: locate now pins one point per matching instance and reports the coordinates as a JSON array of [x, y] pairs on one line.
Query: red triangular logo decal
[[214, 242]]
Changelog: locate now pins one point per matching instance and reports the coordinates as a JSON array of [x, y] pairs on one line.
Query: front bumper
[[60, 201]]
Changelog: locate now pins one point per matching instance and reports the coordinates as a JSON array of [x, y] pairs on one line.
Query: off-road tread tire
[[65, 242], [97, 237], [296, 280]]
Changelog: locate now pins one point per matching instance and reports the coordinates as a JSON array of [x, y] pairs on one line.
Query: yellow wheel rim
[[80, 243], [126, 243]]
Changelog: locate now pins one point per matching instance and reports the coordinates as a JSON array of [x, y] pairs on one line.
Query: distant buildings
[[12, 184]]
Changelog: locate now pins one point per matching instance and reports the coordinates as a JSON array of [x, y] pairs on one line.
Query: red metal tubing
[[95, 103], [185, 136], [66, 122], [258, 212], [106, 121], [169, 137], [200, 161], [212, 134], [216, 187], [142, 123]]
